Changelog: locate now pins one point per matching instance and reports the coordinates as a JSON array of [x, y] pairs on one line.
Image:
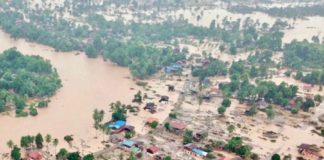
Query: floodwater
[[87, 84]]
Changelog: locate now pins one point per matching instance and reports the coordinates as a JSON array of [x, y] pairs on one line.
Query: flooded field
[[87, 84]]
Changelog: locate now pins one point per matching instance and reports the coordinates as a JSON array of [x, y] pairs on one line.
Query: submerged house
[[117, 124], [34, 155], [150, 107], [172, 68], [193, 150], [178, 127], [307, 87], [309, 150], [152, 149], [132, 146]]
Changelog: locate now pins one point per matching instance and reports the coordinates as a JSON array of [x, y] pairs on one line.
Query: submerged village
[[161, 80]]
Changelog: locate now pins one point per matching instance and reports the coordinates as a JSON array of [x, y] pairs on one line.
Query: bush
[[173, 115], [167, 126], [42, 104], [226, 102], [128, 135], [33, 111], [20, 113], [154, 124], [294, 110]]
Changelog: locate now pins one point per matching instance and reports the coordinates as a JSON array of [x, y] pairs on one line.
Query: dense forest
[[23, 77], [289, 12], [304, 54]]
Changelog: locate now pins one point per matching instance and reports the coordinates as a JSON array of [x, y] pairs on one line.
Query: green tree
[[275, 157], [270, 112], [62, 154], [68, 139], [167, 158], [10, 144], [221, 110], [167, 126], [154, 124], [119, 111], [187, 136], [231, 128], [74, 156], [39, 141], [55, 143], [226, 102], [233, 49], [98, 116], [308, 104], [89, 157], [26, 141], [15, 153]]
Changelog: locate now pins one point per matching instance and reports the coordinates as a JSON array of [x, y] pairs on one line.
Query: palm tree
[[48, 139], [105, 130], [10, 144], [98, 117], [55, 143]]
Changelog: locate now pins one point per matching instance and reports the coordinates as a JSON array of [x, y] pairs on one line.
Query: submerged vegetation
[[289, 12], [23, 77]]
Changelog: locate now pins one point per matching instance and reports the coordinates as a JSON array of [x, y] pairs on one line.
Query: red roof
[[307, 87], [34, 155], [292, 102], [153, 149], [178, 125]]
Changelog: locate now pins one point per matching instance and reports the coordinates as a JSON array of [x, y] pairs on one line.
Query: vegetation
[[39, 141], [23, 77], [15, 153], [215, 67], [275, 157], [98, 116], [289, 12], [304, 54], [235, 145], [187, 136], [119, 111]]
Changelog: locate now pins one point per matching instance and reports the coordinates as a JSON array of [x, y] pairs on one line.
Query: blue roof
[[117, 124], [128, 143], [199, 152]]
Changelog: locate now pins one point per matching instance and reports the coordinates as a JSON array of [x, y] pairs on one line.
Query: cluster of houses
[[310, 151]]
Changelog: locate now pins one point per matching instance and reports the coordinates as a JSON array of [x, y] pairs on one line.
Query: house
[[237, 158], [150, 107], [127, 143], [117, 125], [200, 135], [125, 128], [177, 126], [116, 138], [34, 155], [214, 91], [159, 157], [192, 149], [309, 150], [152, 149], [262, 105], [307, 87], [174, 67]]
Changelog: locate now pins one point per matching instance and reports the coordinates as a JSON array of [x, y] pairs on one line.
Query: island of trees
[[23, 77]]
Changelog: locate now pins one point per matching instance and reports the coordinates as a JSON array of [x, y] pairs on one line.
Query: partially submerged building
[[194, 150]]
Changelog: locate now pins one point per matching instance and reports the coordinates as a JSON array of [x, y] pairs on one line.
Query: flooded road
[[87, 84]]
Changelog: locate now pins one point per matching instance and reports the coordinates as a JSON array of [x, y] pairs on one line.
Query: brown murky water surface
[[87, 84]]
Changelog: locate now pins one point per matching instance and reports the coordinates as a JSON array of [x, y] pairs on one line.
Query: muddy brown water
[[87, 84]]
